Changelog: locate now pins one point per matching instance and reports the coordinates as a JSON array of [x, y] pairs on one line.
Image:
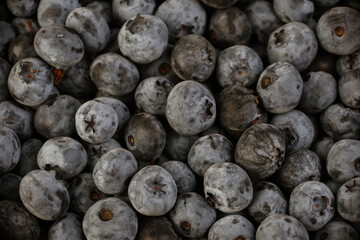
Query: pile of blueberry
[[180, 119]]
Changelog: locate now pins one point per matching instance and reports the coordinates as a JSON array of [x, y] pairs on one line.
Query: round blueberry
[[67, 227], [10, 149], [54, 11], [294, 10], [232, 227], [349, 88], [123, 10], [178, 146], [347, 199], [337, 230]]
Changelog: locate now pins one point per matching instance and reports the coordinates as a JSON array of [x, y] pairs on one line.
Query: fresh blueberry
[[66, 227], [337, 230], [178, 146], [54, 11], [103, 8], [22, 8], [349, 88], [333, 185], [10, 149], [348, 63], [347, 199], [123, 10], [294, 10], [22, 47], [24, 25], [232, 227], [322, 147]]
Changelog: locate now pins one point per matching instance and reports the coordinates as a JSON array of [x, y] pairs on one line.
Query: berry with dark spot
[[24, 25], [347, 199], [348, 63], [103, 8], [156, 228], [66, 227], [22, 8], [336, 230], [232, 227], [54, 11]]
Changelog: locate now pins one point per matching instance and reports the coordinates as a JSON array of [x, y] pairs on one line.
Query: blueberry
[[91, 27], [232, 227], [5, 68], [219, 3], [239, 109], [10, 149], [114, 74], [347, 198], [7, 35], [298, 167], [263, 19], [337, 230], [192, 216], [22, 47], [190, 108], [341, 122], [228, 27], [322, 147], [183, 176], [157, 228], [182, 18], [83, 193], [96, 122], [152, 191], [260, 150], [349, 88], [238, 65], [59, 46], [67, 227], [294, 10], [297, 127], [64, 155], [275, 97], [193, 58], [113, 172], [143, 38], [343, 160], [338, 30], [281, 226], [151, 95], [103, 8], [123, 10], [227, 187], [9, 186], [17, 118], [348, 63], [313, 203], [110, 218], [22, 8], [145, 136], [17, 223], [294, 43], [267, 200], [319, 92], [43, 195], [24, 25], [207, 150], [54, 11], [178, 146]]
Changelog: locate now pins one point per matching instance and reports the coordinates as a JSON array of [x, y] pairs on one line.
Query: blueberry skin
[[17, 223], [110, 218], [337, 230], [182, 18], [298, 167], [151, 95], [207, 150], [17, 118], [143, 38], [123, 10], [239, 109], [43, 195], [67, 227], [228, 27], [294, 11], [64, 155], [190, 108], [263, 19], [56, 117], [347, 200], [30, 81], [103, 8], [260, 150], [349, 89], [227, 187], [156, 228], [348, 63], [281, 226], [54, 12], [343, 160], [270, 87], [319, 92], [114, 74], [267, 200], [178, 146], [96, 122], [338, 30], [59, 46], [5, 69], [114, 170], [83, 193], [22, 8], [297, 127], [232, 227], [24, 25], [9, 186], [193, 58], [145, 136], [341, 122], [183, 176], [219, 4], [8, 34], [313, 203], [192, 216], [91, 27], [238, 65], [22, 47], [152, 191], [11, 149], [294, 43]]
